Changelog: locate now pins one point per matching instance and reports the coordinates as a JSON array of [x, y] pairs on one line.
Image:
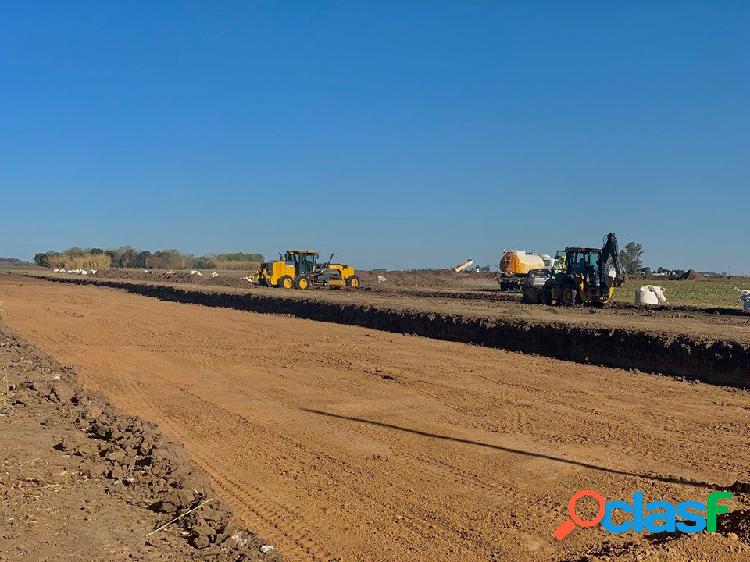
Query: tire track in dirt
[[251, 503], [273, 518]]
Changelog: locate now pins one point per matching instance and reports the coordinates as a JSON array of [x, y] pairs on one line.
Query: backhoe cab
[[589, 277], [299, 269]]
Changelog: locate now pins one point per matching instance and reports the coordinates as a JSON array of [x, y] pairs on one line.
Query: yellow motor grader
[[300, 269]]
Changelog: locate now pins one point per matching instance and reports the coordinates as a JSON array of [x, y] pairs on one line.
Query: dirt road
[[345, 443]]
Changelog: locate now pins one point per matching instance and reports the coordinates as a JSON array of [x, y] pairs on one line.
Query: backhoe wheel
[[286, 282], [353, 282], [303, 283], [568, 294], [545, 296]]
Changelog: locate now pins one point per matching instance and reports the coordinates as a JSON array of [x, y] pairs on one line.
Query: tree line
[[129, 257]]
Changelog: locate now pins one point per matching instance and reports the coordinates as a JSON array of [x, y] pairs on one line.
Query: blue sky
[[393, 133]]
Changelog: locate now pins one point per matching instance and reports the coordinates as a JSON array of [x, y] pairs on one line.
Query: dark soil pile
[[445, 278], [117, 467], [223, 279]]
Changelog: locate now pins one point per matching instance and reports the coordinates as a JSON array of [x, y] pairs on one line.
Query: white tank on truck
[[514, 265]]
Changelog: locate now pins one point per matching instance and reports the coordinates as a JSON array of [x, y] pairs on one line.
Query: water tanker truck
[[515, 265]]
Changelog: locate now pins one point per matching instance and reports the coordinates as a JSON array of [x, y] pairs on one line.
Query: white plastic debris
[[381, 279], [744, 299], [240, 537], [650, 295], [464, 265], [266, 548], [214, 274]]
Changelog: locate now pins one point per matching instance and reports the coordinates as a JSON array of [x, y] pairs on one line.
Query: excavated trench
[[497, 296], [719, 362]]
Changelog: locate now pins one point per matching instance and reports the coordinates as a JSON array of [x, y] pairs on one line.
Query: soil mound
[[136, 463], [445, 278], [693, 275]]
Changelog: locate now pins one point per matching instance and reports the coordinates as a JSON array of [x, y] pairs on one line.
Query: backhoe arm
[[611, 250]]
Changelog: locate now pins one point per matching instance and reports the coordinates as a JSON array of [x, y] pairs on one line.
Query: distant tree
[[42, 258], [73, 258], [128, 257], [121, 257], [239, 256], [141, 259], [166, 259], [202, 262], [631, 257], [75, 252]]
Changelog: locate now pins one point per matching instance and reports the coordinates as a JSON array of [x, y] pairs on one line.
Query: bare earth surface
[[50, 512], [339, 442], [81, 481]]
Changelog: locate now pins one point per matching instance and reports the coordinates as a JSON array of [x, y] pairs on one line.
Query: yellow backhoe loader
[[589, 277]]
